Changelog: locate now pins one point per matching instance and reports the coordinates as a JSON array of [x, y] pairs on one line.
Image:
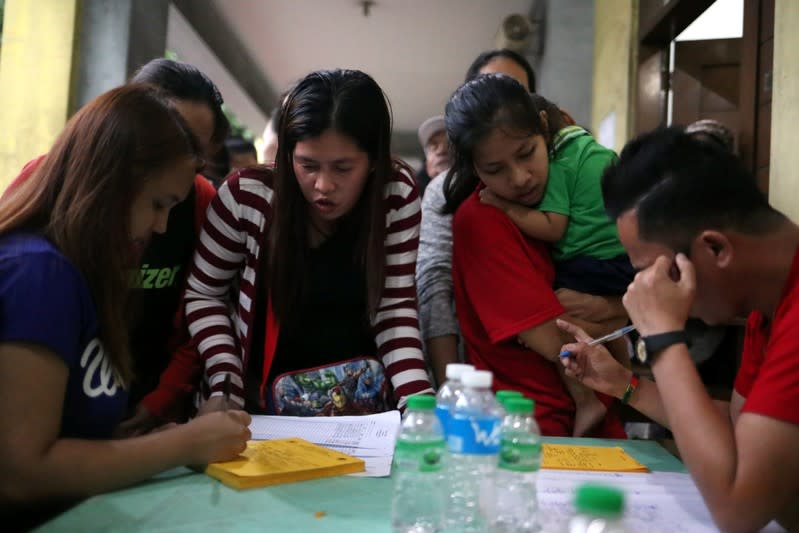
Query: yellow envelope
[[269, 462], [596, 458]]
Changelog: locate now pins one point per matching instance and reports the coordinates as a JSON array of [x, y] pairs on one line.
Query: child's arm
[[542, 225]]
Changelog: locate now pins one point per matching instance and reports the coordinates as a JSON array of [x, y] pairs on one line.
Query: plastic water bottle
[[473, 443], [419, 501], [516, 503], [599, 510], [449, 392]]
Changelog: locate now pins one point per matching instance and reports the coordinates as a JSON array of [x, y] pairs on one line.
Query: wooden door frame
[[754, 76], [658, 25]]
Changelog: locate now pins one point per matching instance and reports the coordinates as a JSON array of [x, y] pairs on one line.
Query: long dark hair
[[476, 109], [81, 194], [183, 81], [488, 56], [352, 104]]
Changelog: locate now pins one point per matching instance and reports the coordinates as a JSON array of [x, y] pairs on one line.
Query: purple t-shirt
[[45, 300]]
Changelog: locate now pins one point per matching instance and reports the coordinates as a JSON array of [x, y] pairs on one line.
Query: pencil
[[607, 338], [226, 390]]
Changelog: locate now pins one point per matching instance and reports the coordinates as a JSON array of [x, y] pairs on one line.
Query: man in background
[[437, 159]]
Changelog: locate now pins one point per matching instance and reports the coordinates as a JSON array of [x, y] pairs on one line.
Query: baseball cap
[[714, 129], [429, 127]]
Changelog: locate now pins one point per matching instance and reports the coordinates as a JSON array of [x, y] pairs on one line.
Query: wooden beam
[[660, 26], [222, 39]]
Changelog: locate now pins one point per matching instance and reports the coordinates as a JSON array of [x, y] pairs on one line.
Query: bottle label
[[472, 435], [519, 457], [443, 416], [427, 456]]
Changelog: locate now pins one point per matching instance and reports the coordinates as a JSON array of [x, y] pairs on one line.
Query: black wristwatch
[[646, 348]]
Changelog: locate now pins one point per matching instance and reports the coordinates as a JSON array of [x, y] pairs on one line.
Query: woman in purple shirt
[[70, 237]]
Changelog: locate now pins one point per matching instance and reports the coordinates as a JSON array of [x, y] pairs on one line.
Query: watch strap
[[661, 341]]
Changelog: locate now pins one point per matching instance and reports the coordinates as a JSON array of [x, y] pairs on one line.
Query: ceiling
[[417, 50]]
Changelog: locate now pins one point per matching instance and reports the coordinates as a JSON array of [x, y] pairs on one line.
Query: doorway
[[706, 59]]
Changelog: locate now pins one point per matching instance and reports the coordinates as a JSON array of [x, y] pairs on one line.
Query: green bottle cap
[[503, 395], [422, 402], [522, 406], [599, 500]]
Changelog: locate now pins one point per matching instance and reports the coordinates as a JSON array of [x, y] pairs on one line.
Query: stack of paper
[[369, 437], [589, 458], [660, 502], [282, 461]]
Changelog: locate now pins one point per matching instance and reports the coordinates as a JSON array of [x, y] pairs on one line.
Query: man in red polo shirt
[[709, 245]]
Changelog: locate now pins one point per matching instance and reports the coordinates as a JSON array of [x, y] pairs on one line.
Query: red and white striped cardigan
[[230, 246]]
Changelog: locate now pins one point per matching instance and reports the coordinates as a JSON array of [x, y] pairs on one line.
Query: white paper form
[[369, 437], [658, 502], [375, 467]]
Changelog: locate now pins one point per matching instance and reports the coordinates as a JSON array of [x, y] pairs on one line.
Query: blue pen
[[607, 338]]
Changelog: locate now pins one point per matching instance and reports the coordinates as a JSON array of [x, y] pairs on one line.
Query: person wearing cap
[[433, 138], [709, 130]]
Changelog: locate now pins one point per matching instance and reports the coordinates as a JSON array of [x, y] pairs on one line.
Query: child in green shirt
[[589, 257]]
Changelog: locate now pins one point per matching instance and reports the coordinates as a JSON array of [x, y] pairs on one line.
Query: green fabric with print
[[576, 164]]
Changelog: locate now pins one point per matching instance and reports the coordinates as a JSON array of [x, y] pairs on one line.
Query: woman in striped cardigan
[[321, 249]]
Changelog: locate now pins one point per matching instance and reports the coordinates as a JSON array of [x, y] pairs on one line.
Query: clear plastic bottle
[[516, 502], [419, 501], [473, 443], [599, 509], [449, 391]]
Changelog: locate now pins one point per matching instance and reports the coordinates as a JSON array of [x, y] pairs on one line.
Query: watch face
[[640, 350]]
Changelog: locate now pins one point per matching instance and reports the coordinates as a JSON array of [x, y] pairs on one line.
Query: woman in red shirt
[[502, 278]]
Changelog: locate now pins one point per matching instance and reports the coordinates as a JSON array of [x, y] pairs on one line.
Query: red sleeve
[[181, 377], [204, 193], [179, 380], [509, 276], [753, 354], [775, 390], [25, 173]]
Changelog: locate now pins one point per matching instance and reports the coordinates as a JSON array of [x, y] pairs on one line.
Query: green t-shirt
[[574, 189]]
